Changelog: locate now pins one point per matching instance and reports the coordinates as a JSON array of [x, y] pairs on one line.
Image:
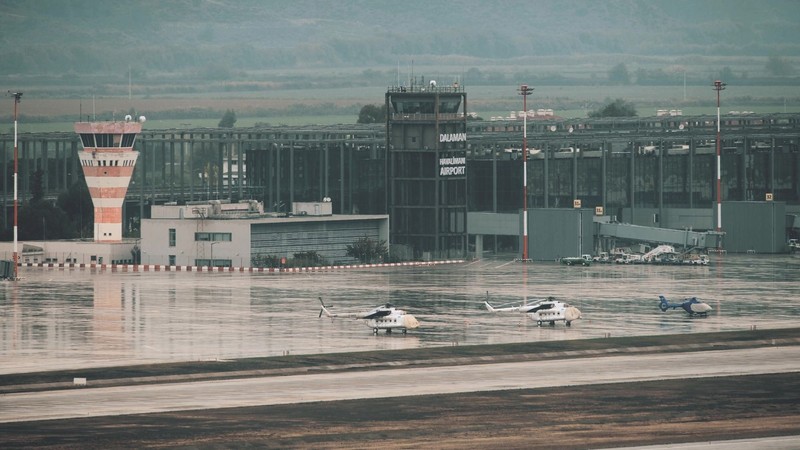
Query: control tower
[[108, 159], [426, 138]]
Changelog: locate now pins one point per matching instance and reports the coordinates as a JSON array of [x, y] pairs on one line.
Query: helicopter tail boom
[[324, 310]]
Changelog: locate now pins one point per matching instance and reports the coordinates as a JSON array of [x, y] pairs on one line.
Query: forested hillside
[[215, 39]]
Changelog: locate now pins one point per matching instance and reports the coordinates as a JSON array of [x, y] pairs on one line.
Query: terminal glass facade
[[407, 169]]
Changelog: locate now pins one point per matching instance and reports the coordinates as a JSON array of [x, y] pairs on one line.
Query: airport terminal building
[[450, 185], [453, 185]]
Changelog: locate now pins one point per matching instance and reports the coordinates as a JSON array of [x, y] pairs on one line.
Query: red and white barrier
[[166, 268]]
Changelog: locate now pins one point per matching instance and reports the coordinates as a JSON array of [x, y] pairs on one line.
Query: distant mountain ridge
[[204, 36]]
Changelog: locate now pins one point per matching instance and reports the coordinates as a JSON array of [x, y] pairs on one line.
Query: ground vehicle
[[583, 260]]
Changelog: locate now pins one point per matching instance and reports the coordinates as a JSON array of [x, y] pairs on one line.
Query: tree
[[77, 204], [228, 119], [726, 74], [37, 186], [779, 67], [654, 77], [262, 260], [372, 114], [40, 219], [308, 259], [367, 250], [619, 74], [617, 108]]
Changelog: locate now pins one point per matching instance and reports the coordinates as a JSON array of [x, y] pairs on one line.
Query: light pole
[[524, 91], [719, 86], [17, 98]]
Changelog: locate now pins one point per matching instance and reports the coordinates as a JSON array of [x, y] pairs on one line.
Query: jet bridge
[[683, 238]]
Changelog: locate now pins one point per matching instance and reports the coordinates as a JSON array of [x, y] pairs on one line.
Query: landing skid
[[552, 323], [388, 331]]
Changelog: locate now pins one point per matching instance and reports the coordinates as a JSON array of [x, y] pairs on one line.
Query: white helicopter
[[548, 310], [385, 317]]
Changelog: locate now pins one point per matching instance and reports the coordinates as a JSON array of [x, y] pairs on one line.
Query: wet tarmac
[[71, 318]]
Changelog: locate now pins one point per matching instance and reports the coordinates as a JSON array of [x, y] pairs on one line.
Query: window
[[104, 140], [215, 237], [128, 139], [171, 260], [87, 139], [172, 237]]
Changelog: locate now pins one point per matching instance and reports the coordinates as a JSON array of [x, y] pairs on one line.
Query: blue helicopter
[[692, 305]]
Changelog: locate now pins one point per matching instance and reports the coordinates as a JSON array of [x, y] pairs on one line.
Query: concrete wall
[[493, 223], [758, 227], [156, 248], [559, 232], [69, 251]]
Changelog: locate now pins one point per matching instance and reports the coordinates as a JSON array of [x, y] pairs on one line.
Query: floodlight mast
[[719, 86], [17, 97], [524, 91]]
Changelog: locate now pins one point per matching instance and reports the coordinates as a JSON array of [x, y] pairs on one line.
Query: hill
[[218, 39]]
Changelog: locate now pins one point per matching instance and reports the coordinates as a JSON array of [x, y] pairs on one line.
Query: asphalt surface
[[230, 360], [260, 391], [404, 408]]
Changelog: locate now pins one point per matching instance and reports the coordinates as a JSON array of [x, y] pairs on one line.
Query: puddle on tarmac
[[61, 318]]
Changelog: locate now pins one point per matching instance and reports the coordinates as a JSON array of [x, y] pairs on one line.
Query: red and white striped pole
[[17, 97], [524, 91], [719, 86]]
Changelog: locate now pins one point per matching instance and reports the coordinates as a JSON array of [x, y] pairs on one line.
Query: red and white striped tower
[[524, 91], [17, 97], [719, 86], [108, 160]]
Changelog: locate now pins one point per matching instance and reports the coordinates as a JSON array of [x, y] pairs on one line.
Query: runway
[[95, 402]]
